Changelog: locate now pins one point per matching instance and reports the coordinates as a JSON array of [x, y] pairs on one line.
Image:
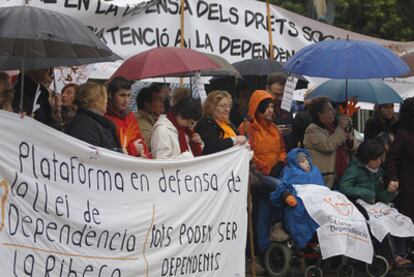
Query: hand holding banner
[[73, 208]]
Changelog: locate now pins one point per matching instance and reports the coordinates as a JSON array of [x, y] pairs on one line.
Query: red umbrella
[[164, 61]]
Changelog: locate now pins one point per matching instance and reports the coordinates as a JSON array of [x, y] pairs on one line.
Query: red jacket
[[128, 126]]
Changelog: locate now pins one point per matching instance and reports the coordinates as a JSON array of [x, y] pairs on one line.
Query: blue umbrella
[[346, 59], [371, 91]]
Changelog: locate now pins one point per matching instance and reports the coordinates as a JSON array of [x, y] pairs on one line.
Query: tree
[[387, 19], [291, 5]]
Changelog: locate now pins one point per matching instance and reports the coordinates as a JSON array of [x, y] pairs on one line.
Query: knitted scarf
[[182, 131]]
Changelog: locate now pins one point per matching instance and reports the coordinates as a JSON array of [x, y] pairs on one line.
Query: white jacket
[[164, 141]]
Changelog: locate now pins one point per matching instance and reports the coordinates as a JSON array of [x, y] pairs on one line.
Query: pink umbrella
[[164, 61]]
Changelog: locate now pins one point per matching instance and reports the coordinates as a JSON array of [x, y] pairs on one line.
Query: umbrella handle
[[58, 106], [22, 80]]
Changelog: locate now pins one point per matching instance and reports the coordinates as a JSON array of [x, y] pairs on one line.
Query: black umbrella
[[255, 72], [258, 67], [34, 38]]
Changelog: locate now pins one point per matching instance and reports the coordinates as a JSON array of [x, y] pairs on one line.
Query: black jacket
[[283, 117], [44, 112], [376, 125], [94, 129], [301, 121], [212, 136]]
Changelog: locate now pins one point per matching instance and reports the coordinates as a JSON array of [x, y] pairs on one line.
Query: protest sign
[[234, 32], [70, 209], [199, 86], [343, 229], [69, 75], [384, 220], [288, 93]]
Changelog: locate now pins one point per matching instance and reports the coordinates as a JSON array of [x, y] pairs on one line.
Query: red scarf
[[182, 131]]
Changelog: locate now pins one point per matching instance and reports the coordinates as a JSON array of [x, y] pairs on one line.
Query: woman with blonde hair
[[89, 124], [215, 128]]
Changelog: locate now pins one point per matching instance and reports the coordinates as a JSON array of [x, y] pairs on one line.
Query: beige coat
[[322, 148], [145, 122]]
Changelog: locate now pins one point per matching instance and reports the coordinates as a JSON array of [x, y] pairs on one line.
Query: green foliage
[[294, 6], [387, 19]]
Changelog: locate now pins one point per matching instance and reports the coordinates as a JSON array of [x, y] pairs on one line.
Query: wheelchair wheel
[[333, 264], [277, 259], [378, 268], [345, 270], [313, 271]]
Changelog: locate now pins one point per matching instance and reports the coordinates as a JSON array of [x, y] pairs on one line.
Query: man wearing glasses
[[275, 85]]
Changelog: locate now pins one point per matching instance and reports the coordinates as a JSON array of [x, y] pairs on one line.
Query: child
[[299, 171]]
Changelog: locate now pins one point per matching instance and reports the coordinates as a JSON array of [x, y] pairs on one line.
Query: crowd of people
[[318, 145]]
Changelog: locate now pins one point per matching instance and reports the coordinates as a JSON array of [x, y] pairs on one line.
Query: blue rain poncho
[[297, 221]]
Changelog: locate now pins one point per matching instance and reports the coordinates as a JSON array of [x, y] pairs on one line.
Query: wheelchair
[[281, 258]]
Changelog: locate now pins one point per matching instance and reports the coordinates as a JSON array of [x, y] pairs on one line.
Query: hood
[[294, 174], [291, 157], [257, 97]]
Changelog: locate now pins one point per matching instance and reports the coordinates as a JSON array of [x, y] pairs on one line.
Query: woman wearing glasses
[[215, 128]]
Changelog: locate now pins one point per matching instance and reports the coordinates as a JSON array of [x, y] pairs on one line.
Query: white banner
[[384, 220], [343, 229], [70, 209], [235, 32]]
